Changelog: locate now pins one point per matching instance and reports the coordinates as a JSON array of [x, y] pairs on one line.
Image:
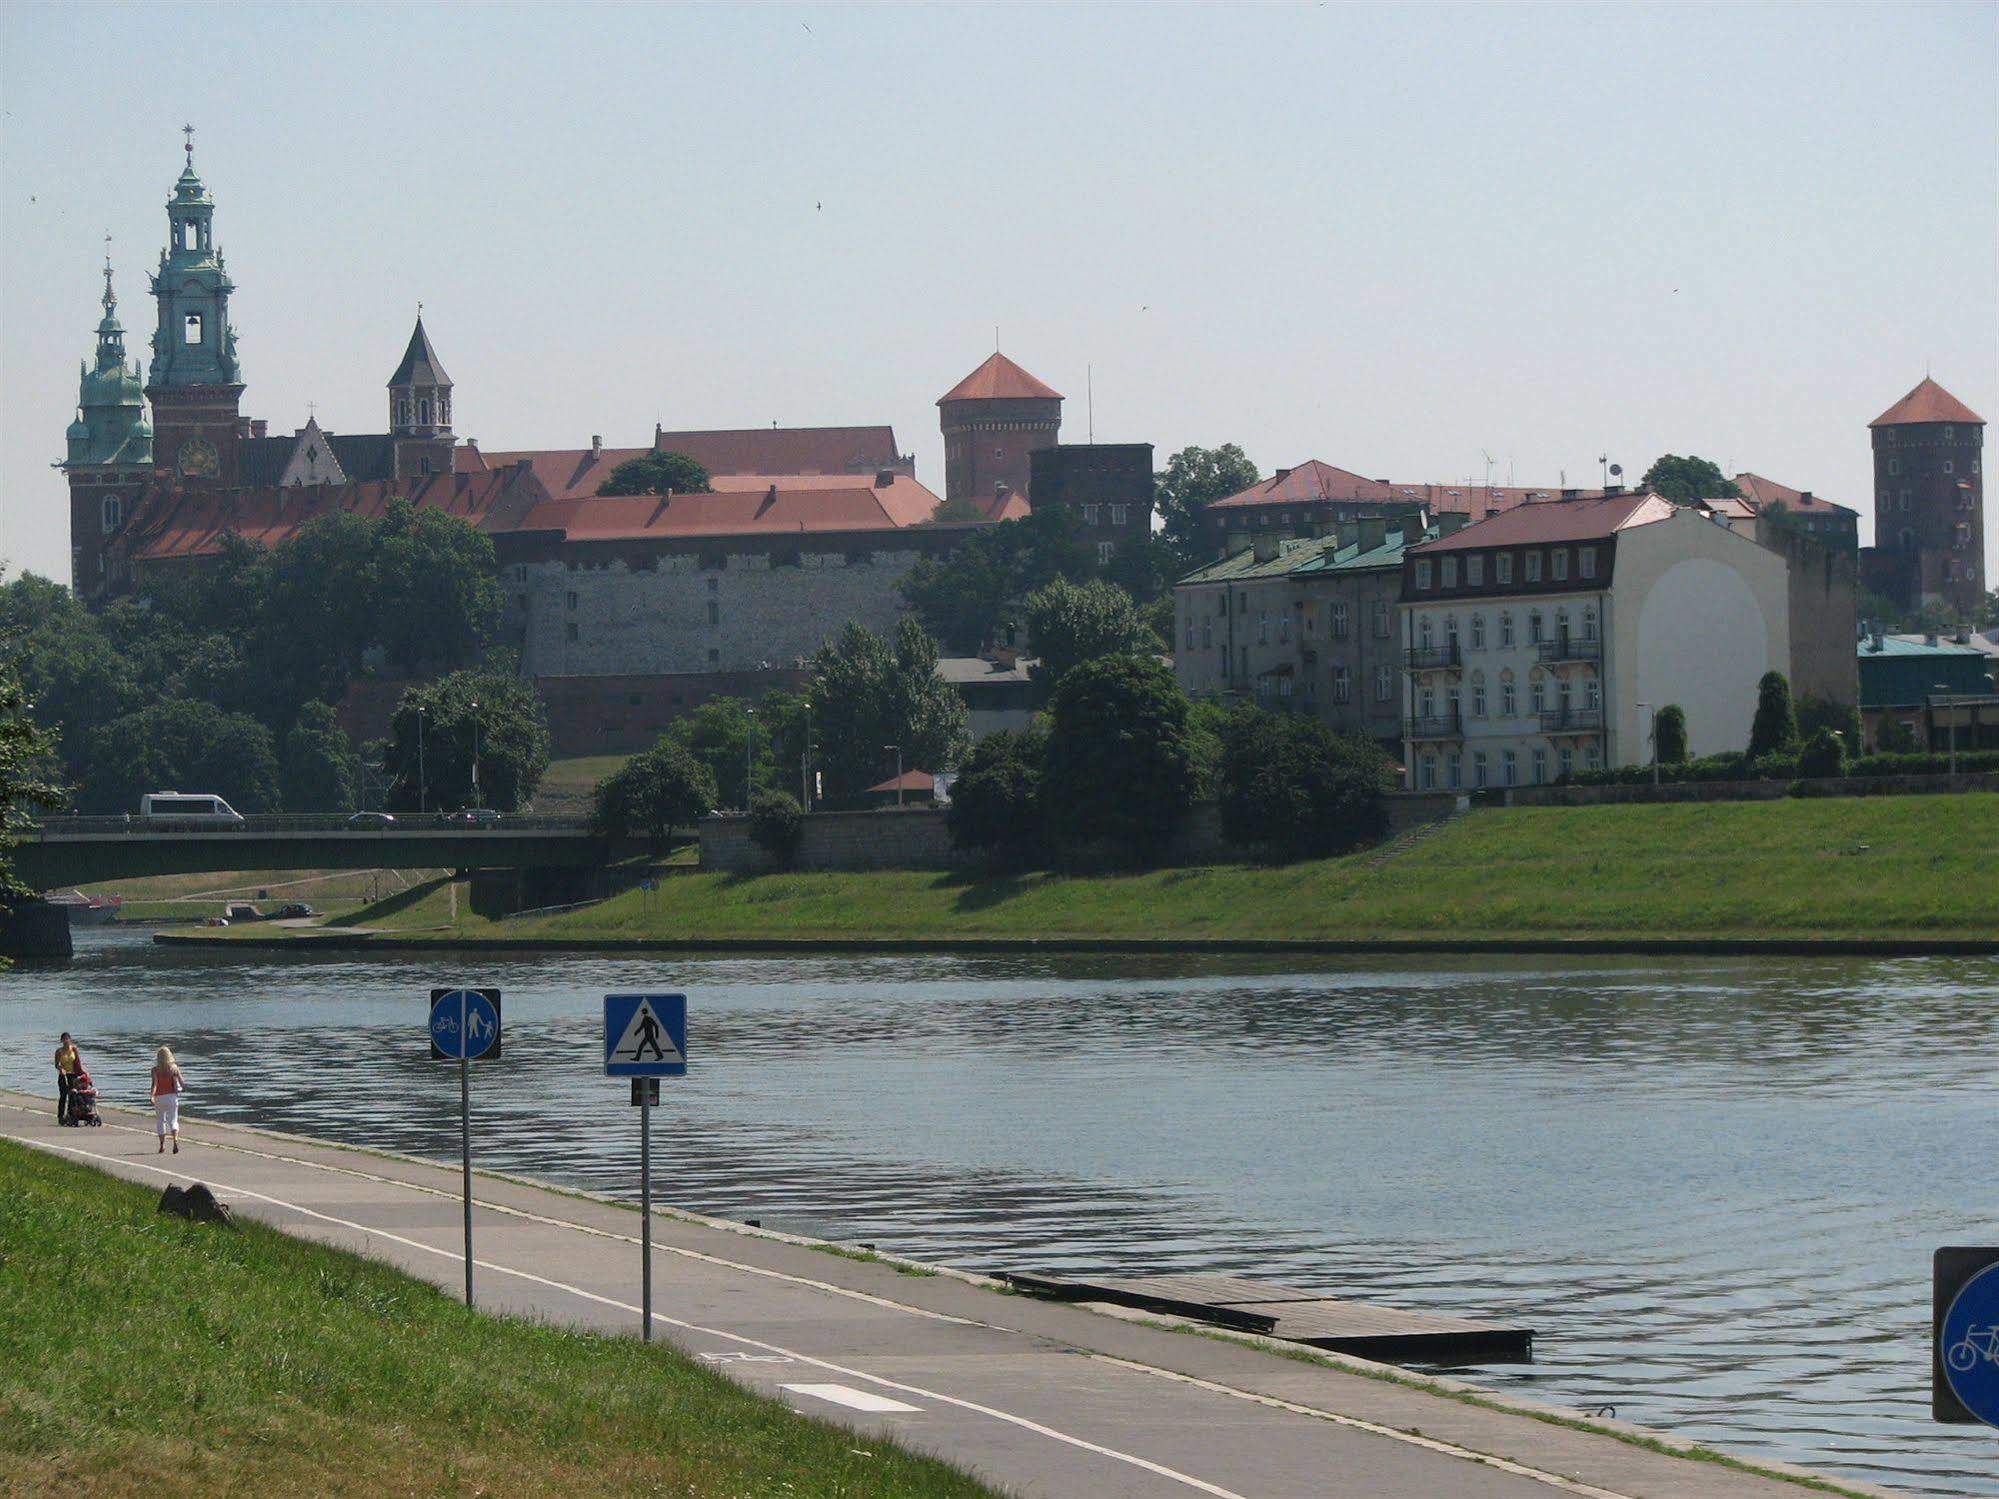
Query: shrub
[[652, 793], [1775, 727], [1118, 768], [1968, 762], [1815, 713], [1669, 731], [1823, 756], [996, 800], [1293, 787], [777, 822]]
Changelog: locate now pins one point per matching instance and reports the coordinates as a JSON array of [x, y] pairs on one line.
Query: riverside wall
[[1744, 791]]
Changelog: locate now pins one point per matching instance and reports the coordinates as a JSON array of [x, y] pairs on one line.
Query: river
[[1711, 1185]]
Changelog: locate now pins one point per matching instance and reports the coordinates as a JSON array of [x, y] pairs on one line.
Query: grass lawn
[[150, 1356], [566, 785], [1848, 867]]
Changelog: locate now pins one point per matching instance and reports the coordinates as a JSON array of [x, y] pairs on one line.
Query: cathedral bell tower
[[420, 410], [109, 450], [194, 383]]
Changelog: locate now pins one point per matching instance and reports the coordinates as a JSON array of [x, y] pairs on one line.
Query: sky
[[1404, 240]]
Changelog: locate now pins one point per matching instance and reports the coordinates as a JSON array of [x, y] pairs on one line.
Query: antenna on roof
[[995, 338], [1090, 393], [1603, 459]]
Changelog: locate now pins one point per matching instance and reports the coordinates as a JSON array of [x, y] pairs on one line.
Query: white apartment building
[[1540, 641]]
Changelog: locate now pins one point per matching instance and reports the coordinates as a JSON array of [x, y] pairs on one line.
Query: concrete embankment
[[1040, 1398]]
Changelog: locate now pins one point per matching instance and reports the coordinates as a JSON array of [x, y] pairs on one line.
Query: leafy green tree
[[1988, 614], [1815, 713], [1070, 623], [1895, 736], [1684, 480], [1881, 612], [956, 511], [868, 693], [1146, 568], [437, 580], [319, 769], [181, 746], [787, 721], [653, 793], [777, 823], [970, 596], [1118, 766], [1293, 787], [1194, 478], [1824, 754], [1669, 731], [68, 664], [27, 785], [321, 612], [1207, 724], [657, 473], [1774, 730], [996, 800], [730, 738], [496, 718]]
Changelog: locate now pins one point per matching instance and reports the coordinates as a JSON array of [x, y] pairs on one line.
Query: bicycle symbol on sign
[[1977, 1343]]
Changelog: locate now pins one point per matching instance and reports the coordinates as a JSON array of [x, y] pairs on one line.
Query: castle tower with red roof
[[1929, 502], [993, 419]]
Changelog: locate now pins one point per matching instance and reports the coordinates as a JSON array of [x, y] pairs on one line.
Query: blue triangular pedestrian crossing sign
[[645, 1035]]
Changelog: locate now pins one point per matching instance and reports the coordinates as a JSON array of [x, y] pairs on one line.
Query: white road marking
[[840, 1394], [1466, 1454]]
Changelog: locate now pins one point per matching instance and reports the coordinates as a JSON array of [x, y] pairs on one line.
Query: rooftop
[[1912, 645], [1928, 402], [1759, 491], [1556, 521], [1314, 481], [999, 379]]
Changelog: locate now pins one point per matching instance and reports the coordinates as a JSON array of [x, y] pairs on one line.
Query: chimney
[[1267, 548], [1572, 494], [1804, 497], [1373, 532], [1001, 489], [259, 427], [1963, 635], [1876, 641], [1613, 489], [1283, 474], [1450, 522], [1237, 540], [884, 477], [596, 445], [1930, 639]]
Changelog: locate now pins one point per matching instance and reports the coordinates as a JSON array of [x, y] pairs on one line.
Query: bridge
[[64, 851]]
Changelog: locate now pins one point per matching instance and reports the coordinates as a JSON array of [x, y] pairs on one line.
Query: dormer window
[[1533, 572], [1423, 572], [1502, 568]]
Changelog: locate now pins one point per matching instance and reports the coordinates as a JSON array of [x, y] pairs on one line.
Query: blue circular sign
[[476, 1035], [1970, 1345]]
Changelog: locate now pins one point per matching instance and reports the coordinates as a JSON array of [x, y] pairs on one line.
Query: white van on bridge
[[178, 809]]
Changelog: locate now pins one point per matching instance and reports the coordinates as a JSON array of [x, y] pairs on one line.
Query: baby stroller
[[83, 1102]]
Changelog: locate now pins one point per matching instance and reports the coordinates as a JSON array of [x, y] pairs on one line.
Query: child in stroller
[[82, 1101]]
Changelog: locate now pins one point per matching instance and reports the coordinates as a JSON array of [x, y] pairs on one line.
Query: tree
[[996, 800], [868, 693], [438, 588], [657, 473], [68, 664], [1118, 766], [181, 746], [27, 753], [1669, 730], [776, 824], [1894, 736], [729, 737], [956, 511], [320, 768], [1684, 480], [653, 793], [969, 597], [1070, 623], [1194, 478], [1988, 614], [1294, 787], [1879, 611], [787, 723], [497, 719], [1144, 567], [1775, 727], [1815, 713], [1824, 754]]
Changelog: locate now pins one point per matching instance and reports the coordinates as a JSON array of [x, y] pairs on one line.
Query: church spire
[[419, 390]]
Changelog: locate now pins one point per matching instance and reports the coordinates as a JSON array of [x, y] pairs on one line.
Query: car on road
[[469, 817], [371, 820], [293, 912]]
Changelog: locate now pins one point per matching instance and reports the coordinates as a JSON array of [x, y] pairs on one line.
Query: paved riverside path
[[1038, 1398]]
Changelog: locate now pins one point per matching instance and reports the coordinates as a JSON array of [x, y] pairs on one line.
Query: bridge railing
[[297, 822]]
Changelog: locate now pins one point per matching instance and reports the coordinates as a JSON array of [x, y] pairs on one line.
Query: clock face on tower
[[198, 460]]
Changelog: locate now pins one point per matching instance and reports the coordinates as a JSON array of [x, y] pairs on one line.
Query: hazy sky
[[1392, 238]]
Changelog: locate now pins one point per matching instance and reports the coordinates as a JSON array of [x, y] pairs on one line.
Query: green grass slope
[[147, 1356]]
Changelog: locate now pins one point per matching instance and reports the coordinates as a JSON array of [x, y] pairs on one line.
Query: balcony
[[1434, 658], [1569, 648], [1434, 726], [1573, 721]]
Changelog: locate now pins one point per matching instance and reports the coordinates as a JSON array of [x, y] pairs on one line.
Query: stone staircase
[[1395, 848]]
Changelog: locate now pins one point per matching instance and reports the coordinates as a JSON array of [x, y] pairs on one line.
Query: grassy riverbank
[[1899, 867], [151, 1356]]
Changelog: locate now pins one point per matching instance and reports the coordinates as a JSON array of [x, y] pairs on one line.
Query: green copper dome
[[111, 427]]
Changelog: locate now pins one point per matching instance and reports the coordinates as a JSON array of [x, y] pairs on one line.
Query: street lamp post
[[749, 753], [475, 754], [1652, 738], [898, 771], [420, 804], [805, 762], [1940, 687]]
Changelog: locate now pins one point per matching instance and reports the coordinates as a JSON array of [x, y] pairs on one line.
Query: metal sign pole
[[645, 1203], [465, 1133]]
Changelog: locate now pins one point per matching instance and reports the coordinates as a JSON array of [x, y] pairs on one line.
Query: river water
[[1711, 1185]]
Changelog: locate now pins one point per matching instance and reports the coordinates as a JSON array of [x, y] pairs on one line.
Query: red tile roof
[[861, 451], [1556, 521], [909, 780], [779, 506], [1928, 402], [1759, 491], [999, 379], [1315, 481]]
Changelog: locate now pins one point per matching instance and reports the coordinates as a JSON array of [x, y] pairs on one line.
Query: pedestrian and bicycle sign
[[464, 1024], [1966, 1336], [645, 1035]]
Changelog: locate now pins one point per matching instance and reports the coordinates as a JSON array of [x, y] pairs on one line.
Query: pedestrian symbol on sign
[[645, 1035]]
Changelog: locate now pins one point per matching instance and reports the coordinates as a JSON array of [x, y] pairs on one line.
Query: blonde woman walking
[[167, 1085]]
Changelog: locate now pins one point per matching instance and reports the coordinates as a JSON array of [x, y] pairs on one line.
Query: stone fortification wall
[[729, 610]]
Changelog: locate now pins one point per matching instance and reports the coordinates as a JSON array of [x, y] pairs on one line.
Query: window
[[520, 601], [1540, 767], [1190, 634], [1509, 767], [191, 329], [1586, 562], [1592, 757], [1562, 623], [1478, 694], [1533, 626], [1090, 513], [714, 613], [1894, 466], [570, 629], [569, 600], [1949, 433], [1533, 567], [1558, 564], [1451, 632], [1474, 570], [1502, 568], [1381, 620], [1949, 467], [1263, 627], [999, 452], [1342, 685], [1384, 684], [1450, 572], [1283, 629], [1905, 498], [1592, 694], [113, 512], [1207, 633], [190, 235], [1566, 758], [1423, 572], [1426, 702], [1505, 630], [1426, 635], [1105, 551], [1478, 632], [1454, 770], [1589, 623], [1509, 703], [1479, 775], [1339, 621], [714, 656], [1120, 514], [1241, 602], [1429, 776], [1537, 691]]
